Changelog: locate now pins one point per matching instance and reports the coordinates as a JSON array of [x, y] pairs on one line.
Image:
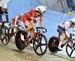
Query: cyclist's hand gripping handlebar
[[44, 30]]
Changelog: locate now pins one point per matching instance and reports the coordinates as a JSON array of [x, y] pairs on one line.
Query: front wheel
[[20, 44], [40, 44], [5, 36], [5, 40], [70, 50], [53, 44]]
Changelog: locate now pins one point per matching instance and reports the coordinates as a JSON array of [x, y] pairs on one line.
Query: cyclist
[[29, 18], [5, 9], [15, 21], [63, 31], [4, 12]]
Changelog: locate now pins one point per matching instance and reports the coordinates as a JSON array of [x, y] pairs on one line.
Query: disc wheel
[[53, 44], [20, 44]]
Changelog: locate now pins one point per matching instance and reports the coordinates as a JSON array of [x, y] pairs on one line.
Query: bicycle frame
[[30, 40], [68, 40], [7, 35], [38, 40]]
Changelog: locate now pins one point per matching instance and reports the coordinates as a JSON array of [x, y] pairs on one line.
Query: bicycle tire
[[5, 40], [67, 51], [54, 48], [19, 43], [35, 47]]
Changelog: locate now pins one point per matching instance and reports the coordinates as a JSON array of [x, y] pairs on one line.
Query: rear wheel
[[53, 44], [40, 44], [20, 44]]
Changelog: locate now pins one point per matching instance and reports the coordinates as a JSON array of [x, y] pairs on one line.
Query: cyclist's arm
[[41, 20], [31, 14]]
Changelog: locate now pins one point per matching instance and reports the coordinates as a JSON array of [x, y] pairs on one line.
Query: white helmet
[[21, 14], [72, 20], [40, 9]]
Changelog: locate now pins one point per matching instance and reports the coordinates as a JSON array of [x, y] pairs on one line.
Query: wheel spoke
[[74, 46], [43, 44], [71, 53], [40, 46], [70, 50], [41, 49], [37, 46], [69, 46]]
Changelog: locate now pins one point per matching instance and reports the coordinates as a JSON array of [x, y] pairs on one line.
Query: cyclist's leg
[[62, 40], [1, 13], [5, 13], [32, 29], [69, 39], [0, 20], [62, 36], [7, 20], [31, 34], [28, 27]]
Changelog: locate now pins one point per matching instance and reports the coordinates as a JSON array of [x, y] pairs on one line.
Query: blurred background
[[57, 11]]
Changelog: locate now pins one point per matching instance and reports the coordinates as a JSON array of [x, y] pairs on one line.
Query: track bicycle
[[8, 33], [39, 40], [70, 50], [54, 42], [3, 36]]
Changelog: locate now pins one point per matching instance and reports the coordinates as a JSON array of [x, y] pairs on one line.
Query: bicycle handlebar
[[44, 30], [72, 34]]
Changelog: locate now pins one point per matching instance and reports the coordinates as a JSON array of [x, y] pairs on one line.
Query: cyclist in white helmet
[[30, 18], [63, 31]]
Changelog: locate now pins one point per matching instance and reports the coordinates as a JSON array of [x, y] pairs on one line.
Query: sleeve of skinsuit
[[33, 13], [41, 20], [16, 20]]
